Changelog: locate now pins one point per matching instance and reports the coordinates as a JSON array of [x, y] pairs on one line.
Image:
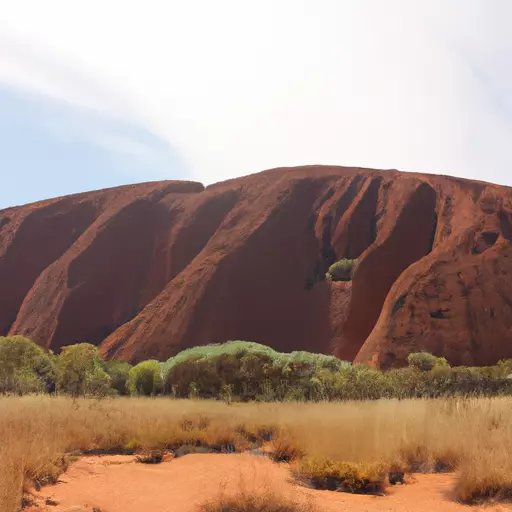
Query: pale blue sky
[[105, 93], [49, 149]]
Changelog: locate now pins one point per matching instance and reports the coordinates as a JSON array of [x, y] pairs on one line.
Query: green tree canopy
[[145, 378], [424, 362], [25, 367], [118, 372], [81, 371]]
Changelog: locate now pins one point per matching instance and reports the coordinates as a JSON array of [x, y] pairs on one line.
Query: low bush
[[342, 270], [285, 448], [424, 362], [342, 476], [145, 379], [81, 371], [118, 372], [247, 371], [472, 487], [25, 367], [487, 475], [240, 372]]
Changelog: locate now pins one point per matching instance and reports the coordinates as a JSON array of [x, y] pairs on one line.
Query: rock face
[[144, 271]]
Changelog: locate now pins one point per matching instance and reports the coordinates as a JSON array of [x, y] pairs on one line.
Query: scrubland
[[355, 443]]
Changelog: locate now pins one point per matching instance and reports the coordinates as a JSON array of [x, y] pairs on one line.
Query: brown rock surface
[[148, 270]]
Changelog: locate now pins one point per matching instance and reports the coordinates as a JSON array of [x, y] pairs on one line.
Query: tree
[[145, 378], [80, 371], [118, 372], [25, 367]]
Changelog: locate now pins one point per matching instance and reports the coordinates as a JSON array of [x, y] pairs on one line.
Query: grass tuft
[[486, 477], [285, 448], [270, 500], [255, 503], [342, 476], [421, 458]]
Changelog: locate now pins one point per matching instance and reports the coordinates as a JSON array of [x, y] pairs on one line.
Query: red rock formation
[[148, 270]]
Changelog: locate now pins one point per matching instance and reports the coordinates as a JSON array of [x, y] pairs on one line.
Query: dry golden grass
[[259, 492], [485, 476], [364, 478], [472, 436], [258, 502]]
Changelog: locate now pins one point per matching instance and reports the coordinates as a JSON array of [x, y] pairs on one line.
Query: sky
[[103, 93]]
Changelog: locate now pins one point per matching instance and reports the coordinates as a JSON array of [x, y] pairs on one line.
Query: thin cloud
[[34, 69], [238, 87], [50, 148]]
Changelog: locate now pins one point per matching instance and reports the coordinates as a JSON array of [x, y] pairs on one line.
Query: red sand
[[117, 484], [147, 270]]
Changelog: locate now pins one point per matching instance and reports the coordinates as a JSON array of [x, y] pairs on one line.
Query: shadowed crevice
[[409, 241], [43, 236], [357, 229], [506, 226]]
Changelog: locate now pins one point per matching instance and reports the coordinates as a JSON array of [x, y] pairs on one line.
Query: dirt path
[[117, 484]]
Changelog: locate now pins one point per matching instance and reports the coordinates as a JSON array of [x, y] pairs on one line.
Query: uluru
[[147, 270]]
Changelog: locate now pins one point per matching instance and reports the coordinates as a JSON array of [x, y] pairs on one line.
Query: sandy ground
[[118, 484]]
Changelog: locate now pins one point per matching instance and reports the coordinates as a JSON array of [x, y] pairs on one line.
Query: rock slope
[[144, 271]]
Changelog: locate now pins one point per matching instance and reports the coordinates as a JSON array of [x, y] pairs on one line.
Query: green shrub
[[424, 362], [226, 393], [118, 372], [145, 379], [252, 372], [342, 270], [206, 371], [80, 371], [236, 348], [240, 371], [504, 367], [25, 367]]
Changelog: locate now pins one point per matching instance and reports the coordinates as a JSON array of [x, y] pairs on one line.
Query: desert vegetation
[[350, 446], [260, 494], [341, 270], [239, 372], [256, 502], [340, 426]]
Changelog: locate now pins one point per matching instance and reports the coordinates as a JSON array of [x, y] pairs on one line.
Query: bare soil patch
[[119, 484]]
